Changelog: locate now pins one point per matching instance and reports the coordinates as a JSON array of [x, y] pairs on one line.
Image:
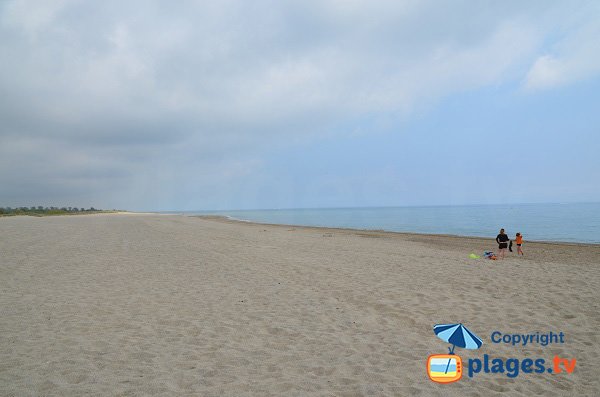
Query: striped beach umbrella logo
[[457, 335]]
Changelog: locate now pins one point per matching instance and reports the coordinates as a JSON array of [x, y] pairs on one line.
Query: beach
[[150, 304]]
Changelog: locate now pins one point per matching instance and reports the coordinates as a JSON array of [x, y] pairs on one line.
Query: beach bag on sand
[[489, 255]]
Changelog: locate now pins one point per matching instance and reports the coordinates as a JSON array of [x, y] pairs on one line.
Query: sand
[[130, 304]]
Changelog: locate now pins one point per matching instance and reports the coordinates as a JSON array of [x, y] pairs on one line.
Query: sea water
[[537, 222]]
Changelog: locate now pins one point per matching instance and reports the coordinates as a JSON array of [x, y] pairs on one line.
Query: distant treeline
[[41, 211]]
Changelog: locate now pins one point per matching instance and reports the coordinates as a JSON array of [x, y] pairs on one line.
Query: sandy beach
[[142, 304]]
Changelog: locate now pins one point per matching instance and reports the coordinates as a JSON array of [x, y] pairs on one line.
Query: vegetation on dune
[[45, 211]]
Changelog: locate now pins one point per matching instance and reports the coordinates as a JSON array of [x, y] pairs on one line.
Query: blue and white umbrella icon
[[458, 335]]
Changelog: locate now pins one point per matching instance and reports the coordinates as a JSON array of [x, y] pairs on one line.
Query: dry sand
[[125, 304]]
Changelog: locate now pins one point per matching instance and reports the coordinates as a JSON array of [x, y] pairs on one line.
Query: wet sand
[[141, 304]]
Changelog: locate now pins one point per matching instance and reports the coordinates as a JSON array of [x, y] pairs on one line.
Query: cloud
[[135, 95], [572, 58]]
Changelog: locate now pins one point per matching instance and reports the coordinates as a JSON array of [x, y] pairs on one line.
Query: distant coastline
[[40, 211]]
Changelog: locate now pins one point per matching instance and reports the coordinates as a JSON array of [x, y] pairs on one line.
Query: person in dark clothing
[[502, 240]]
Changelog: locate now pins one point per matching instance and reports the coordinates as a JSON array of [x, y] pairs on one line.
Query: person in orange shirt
[[519, 241]]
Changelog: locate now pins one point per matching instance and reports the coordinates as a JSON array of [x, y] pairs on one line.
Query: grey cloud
[[144, 93]]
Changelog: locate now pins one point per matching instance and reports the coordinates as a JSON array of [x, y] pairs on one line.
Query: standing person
[[519, 241], [502, 240]]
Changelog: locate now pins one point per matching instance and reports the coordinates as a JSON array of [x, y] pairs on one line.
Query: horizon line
[[382, 206]]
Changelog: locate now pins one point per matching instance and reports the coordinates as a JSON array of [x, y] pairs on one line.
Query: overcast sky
[[159, 105]]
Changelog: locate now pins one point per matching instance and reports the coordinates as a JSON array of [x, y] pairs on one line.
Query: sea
[[575, 223]]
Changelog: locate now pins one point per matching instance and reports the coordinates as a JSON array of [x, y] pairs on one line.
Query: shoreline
[[225, 218]]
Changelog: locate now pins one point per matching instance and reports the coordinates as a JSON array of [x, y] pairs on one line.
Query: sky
[[158, 105]]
